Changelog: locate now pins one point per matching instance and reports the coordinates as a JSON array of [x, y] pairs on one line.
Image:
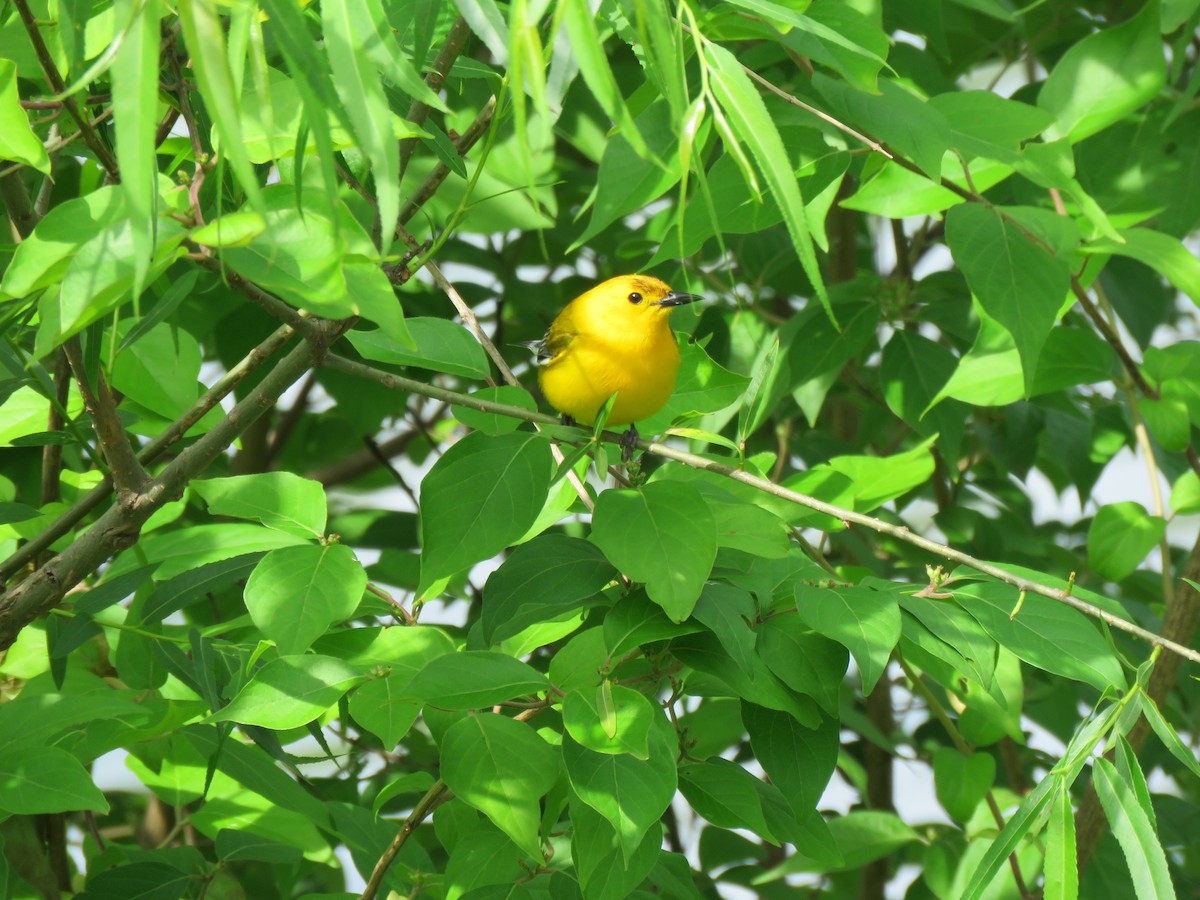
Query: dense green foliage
[[343, 607]]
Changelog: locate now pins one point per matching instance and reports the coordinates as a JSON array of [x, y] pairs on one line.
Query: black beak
[[676, 298]]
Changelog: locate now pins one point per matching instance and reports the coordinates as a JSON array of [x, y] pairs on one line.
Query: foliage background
[[945, 246]]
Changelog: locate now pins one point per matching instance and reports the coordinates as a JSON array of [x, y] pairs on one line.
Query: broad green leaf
[[726, 795], [729, 613], [957, 629], [1163, 253], [17, 140], [804, 660], [144, 880], [664, 536], [1044, 633], [636, 620], [473, 679], [437, 344], [741, 102], [1134, 831], [135, 112], [610, 719], [703, 386], [1120, 537], [281, 500], [838, 35], [160, 370], [1061, 868], [235, 229], [865, 622], [349, 30], [629, 178], [604, 872], [36, 780], [1020, 284], [864, 836], [291, 691], [985, 124], [1104, 77], [908, 124], [876, 480], [480, 496], [234, 846], [502, 768], [183, 549], [381, 706], [630, 793], [194, 584], [492, 423], [550, 575], [798, 760], [486, 858], [962, 781], [295, 594]]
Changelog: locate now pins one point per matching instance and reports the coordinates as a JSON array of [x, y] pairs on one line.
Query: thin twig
[[901, 533], [52, 452], [50, 69], [452, 48], [436, 795]]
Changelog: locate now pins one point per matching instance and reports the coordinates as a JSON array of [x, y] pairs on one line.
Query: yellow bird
[[615, 339]]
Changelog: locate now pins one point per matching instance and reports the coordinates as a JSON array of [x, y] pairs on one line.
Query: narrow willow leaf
[[206, 42], [1061, 869], [754, 126], [1134, 831]]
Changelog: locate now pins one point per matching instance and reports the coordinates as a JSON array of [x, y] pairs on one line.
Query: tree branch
[[899, 532], [103, 155], [435, 796], [52, 453], [126, 472], [452, 48]]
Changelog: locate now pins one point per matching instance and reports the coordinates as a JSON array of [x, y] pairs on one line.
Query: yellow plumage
[[616, 338]]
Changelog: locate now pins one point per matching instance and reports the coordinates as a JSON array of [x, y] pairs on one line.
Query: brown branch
[[119, 528], [17, 203], [456, 40], [898, 532], [152, 451], [434, 797], [103, 155], [434, 179], [127, 474], [52, 453], [256, 295]]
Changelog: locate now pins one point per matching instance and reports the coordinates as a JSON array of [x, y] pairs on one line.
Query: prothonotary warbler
[[615, 339]]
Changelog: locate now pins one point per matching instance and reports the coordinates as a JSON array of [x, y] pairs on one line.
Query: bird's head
[[633, 301]]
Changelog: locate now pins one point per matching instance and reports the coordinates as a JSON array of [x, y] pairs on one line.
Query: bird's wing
[[550, 347]]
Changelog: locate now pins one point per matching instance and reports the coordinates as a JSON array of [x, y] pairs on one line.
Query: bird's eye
[[635, 298]]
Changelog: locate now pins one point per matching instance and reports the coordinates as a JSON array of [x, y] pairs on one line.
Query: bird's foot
[[569, 421], [629, 443]]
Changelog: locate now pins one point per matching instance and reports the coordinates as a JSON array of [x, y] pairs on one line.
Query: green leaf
[[205, 39], [382, 707], [187, 587], [1061, 867], [1168, 735], [726, 795], [295, 594], [610, 719], [635, 620], [280, 500], [729, 613], [962, 781], [350, 29], [473, 679], [486, 858], [741, 102], [141, 880], [492, 423], [1019, 824], [1163, 253], [905, 122], [798, 760], [876, 480], [1018, 283], [482, 495], [664, 536], [864, 836], [550, 575], [1086, 92], [440, 346], [234, 846], [1044, 633], [865, 622], [588, 52], [135, 111], [1120, 537], [630, 793], [17, 140], [39, 779], [290, 691], [1134, 831], [502, 768], [604, 872], [985, 124], [804, 660]]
